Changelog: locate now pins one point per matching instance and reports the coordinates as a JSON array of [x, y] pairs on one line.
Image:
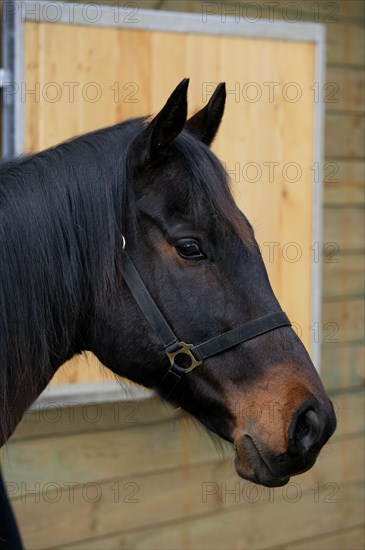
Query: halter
[[194, 355]]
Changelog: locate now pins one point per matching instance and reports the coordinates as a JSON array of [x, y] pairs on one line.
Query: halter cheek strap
[[193, 355]]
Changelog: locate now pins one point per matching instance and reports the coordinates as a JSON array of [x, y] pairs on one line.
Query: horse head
[[193, 253]]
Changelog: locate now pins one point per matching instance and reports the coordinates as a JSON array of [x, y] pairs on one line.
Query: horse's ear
[[205, 123], [164, 127]]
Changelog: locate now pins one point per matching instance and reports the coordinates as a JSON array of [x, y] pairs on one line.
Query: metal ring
[[184, 349], [123, 242]]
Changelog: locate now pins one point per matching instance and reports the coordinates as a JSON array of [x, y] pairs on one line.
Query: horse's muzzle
[[310, 428]]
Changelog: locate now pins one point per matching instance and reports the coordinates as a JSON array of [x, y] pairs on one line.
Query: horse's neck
[[47, 279]]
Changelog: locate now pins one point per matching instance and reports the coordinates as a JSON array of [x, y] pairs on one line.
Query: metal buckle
[[123, 241], [185, 349]]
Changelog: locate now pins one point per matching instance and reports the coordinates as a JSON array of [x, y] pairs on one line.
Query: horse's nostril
[[305, 432]]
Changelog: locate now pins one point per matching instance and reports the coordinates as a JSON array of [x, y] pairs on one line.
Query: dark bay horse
[[88, 226]]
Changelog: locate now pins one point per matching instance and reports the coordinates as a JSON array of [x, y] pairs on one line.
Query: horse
[[127, 242]]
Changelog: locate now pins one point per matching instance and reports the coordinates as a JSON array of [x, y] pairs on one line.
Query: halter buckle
[[184, 349]]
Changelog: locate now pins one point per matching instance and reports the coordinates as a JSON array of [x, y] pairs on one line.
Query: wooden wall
[[142, 67], [139, 450], [136, 475]]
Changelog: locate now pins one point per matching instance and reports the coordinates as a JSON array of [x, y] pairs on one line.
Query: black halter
[[195, 354]]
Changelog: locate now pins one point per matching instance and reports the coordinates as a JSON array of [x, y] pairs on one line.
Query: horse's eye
[[189, 250]]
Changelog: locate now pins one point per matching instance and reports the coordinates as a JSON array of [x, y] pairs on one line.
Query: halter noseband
[[195, 354]]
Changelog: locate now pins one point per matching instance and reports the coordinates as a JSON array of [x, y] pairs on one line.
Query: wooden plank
[[241, 527], [123, 504], [342, 322], [344, 227], [344, 136], [352, 8], [244, 527], [55, 420], [350, 538], [279, 225], [353, 538], [344, 89], [344, 278], [350, 413], [87, 457], [343, 366], [103, 88], [171, 495], [345, 43], [344, 182]]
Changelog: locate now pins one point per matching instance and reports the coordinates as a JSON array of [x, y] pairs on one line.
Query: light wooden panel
[[145, 67]]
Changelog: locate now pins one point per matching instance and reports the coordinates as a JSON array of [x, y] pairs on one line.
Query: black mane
[[62, 212]]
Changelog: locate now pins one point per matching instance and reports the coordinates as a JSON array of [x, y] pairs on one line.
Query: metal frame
[[110, 16], [12, 75], [69, 395]]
